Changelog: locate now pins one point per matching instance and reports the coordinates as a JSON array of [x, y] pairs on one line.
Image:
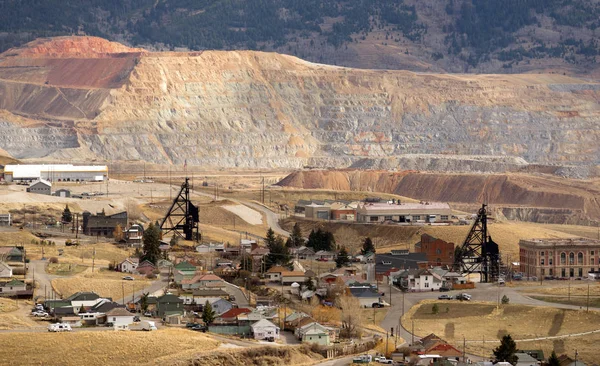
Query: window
[[438, 251], [580, 272], [579, 258], [592, 261], [551, 272], [416, 217], [426, 284], [388, 218], [592, 252], [444, 217], [542, 262], [563, 259], [541, 254], [550, 261], [373, 218], [543, 272], [562, 273], [571, 259]]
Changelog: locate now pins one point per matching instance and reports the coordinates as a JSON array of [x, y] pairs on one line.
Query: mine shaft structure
[[479, 253], [183, 217]]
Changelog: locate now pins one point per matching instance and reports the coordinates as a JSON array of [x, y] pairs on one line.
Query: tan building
[[423, 212], [559, 257]]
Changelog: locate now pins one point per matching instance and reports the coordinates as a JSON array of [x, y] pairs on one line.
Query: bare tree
[[349, 238], [133, 209], [351, 316]]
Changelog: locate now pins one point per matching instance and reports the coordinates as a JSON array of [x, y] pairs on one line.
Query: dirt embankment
[[273, 356], [519, 196]]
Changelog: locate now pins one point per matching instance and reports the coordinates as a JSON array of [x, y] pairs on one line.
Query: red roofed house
[[231, 316], [145, 268], [274, 273]]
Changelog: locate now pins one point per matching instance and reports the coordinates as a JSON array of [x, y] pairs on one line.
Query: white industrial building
[[55, 172], [426, 212]]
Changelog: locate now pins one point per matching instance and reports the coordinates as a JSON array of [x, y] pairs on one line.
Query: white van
[[59, 327]]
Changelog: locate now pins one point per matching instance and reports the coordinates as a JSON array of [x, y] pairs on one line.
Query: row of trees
[[507, 349]]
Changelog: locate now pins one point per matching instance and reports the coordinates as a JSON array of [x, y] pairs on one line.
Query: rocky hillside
[[514, 196], [85, 99], [475, 36]]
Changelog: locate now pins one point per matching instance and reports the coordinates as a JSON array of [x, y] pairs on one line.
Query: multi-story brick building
[[438, 252], [559, 257]]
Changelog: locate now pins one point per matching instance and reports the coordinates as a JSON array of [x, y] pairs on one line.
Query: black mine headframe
[[183, 217]]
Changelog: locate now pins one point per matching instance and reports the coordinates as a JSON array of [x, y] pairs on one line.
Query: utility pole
[[386, 343], [464, 349], [412, 333], [390, 291], [123, 289], [588, 299], [93, 259], [77, 228]]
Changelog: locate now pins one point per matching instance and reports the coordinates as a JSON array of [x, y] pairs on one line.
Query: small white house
[[264, 329], [120, 318], [5, 270], [129, 265]]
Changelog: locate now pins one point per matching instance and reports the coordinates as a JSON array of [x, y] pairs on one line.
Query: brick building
[[438, 251], [559, 257]]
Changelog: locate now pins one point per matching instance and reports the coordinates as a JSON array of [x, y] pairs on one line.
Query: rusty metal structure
[[479, 253], [183, 217]]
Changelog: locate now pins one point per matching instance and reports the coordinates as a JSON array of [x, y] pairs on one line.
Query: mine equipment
[[479, 253], [183, 217]]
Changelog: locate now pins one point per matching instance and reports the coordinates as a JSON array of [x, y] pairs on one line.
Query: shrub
[[53, 260], [150, 276], [435, 309], [505, 300]]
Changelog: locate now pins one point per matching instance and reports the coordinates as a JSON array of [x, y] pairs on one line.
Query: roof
[[64, 310], [210, 277], [14, 282], [146, 264], [35, 170], [409, 206], [292, 274], [83, 296], [168, 298], [277, 269], [401, 261], [363, 292], [557, 243], [324, 252], [43, 181], [233, 313], [263, 323], [119, 312], [524, 357], [185, 266], [105, 306]]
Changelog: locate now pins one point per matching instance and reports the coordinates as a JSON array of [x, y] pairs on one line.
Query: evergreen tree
[[270, 238], [144, 302], [151, 245], [321, 240], [309, 284], [553, 360], [342, 259], [296, 240], [506, 350], [67, 217], [279, 254], [368, 246], [208, 314]]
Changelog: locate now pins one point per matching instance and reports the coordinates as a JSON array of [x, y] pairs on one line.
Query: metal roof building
[[55, 172]]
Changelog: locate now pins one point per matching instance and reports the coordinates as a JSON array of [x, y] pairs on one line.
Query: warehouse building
[[102, 224], [55, 173], [565, 258], [395, 211], [40, 186]]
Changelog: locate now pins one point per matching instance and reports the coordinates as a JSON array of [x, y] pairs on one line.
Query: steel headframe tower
[[479, 253], [183, 217]]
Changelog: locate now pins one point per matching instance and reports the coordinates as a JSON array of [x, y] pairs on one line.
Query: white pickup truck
[[59, 327]]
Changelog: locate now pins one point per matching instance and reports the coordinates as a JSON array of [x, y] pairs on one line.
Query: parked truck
[[363, 359], [148, 325]]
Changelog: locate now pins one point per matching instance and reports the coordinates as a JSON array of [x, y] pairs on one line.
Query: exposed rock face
[[517, 196], [85, 98]]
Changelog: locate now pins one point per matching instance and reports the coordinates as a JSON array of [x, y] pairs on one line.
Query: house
[[565, 360], [120, 318], [246, 245], [264, 329], [523, 359], [365, 296], [5, 270], [396, 260], [184, 270], [221, 306], [83, 299], [346, 271], [343, 211], [328, 278], [434, 345], [96, 314], [40, 186], [289, 277], [164, 264], [274, 273], [305, 253], [134, 234], [12, 254], [438, 251], [324, 255], [5, 219], [210, 247], [63, 193], [129, 265], [202, 281], [317, 211], [231, 316], [145, 268], [73, 320], [13, 287], [168, 304], [313, 333], [417, 280], [102, 224], [296, 315]]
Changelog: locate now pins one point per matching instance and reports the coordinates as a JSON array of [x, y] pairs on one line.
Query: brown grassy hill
[[565, 200]]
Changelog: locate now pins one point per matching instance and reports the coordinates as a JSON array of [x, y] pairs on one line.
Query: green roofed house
[[169, 304], [12, 287], [183, 271]]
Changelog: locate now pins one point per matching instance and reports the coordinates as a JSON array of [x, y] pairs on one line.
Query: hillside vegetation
[[454, 35]]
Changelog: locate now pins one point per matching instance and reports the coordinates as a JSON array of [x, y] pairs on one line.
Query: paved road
[[37, 270], [240, 299]]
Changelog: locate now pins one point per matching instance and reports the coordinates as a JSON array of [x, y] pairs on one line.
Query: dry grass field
[[480, 321], [577, 288], [104, 283], [83, 254], [65, 269], [7, 305], [103, 348]]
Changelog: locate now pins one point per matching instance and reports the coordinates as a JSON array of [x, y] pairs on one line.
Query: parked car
[[136, 319], [377, 305], [40, 314], [463, 296], [190, 325], [444, 297], [59, 327], [128, 278], [270, 339], [199, 328], [148, 325], [147, 313], [444, 289], [385, 361], [108, 324]]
